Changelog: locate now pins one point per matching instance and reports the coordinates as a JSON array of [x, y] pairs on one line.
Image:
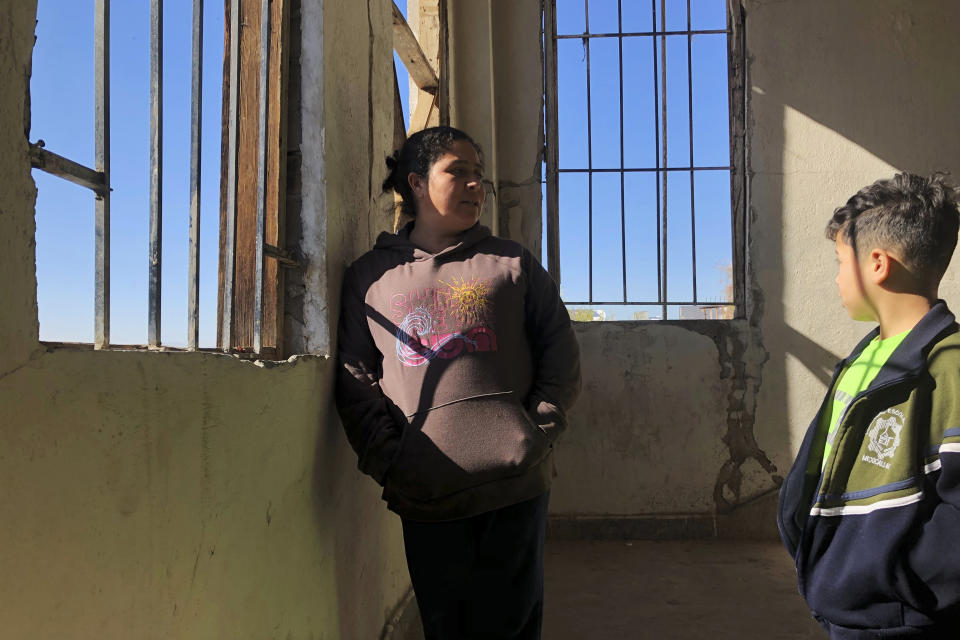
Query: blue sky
[[711, 148], [62, 115]]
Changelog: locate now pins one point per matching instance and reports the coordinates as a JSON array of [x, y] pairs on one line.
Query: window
[[418, 68], [166, 156], [643, 178]]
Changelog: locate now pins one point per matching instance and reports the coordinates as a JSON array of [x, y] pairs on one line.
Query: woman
[[457, 363]]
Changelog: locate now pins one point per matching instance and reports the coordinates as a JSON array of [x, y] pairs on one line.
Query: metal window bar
[[229, 264], [196, 111], [156, 171], [98, 179], [67, 169], [552, 156], [261, 176], [693, 200], [739, 152], [643, 303], [623, 204], [660, 167], [262, 249], [663, 148], [586, 48], [631, 34], [656, 144], [101, 289], [646, 169]]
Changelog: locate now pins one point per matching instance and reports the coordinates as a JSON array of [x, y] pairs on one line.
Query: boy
[[871, 508]]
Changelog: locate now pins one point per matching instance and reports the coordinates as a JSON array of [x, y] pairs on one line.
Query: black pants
[[480, 577]]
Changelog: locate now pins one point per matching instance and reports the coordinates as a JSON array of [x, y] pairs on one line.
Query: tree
[[581, 315]]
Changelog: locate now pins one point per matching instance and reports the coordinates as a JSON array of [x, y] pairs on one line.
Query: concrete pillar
[[496, 96], [19, 331]]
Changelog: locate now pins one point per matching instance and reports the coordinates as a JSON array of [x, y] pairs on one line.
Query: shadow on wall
[[365, 538], [845, 95], [815, 358]]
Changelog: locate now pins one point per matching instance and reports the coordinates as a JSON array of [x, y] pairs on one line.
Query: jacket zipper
[[816, 494]]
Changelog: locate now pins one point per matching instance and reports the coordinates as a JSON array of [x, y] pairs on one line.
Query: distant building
[[706, 312]]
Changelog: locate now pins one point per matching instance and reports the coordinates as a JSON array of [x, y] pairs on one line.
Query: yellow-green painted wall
[[189, 495]]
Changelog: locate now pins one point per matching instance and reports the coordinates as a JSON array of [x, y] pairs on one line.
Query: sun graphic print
[[445, 322], [468, 301]]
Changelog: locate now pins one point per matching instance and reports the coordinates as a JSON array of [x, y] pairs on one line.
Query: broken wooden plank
[[421, 115], [407, 46]]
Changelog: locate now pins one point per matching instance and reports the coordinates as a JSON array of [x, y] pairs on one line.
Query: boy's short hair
[[914, 217]]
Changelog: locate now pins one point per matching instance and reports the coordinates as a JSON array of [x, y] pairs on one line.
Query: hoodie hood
[[401, 243]]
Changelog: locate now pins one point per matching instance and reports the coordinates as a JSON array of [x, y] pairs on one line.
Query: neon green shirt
[[856, 377]]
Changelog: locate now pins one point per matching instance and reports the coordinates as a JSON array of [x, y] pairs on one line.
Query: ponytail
[[393, 162]]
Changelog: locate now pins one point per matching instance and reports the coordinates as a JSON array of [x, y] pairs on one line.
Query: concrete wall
[[664, 422], [674, 422], [686, 428], [182, 495], [850, 92], [503, 112], [660, 401], [193, 495]]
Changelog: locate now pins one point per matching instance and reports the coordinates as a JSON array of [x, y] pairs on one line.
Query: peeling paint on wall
[[742, 362]]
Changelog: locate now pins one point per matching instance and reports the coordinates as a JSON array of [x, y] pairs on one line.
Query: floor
[[704, 590]]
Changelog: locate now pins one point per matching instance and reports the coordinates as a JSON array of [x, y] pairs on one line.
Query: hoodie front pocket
[[466, 443]]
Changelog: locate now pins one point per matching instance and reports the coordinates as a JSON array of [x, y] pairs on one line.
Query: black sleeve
[[369, 417], [556, 353]]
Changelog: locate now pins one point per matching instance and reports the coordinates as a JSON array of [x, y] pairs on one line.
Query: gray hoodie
[[455, 373]]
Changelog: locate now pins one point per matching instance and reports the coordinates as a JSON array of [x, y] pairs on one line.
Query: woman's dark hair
[[418, 154]]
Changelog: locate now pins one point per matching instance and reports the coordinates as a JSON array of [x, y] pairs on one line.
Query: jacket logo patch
[[884, 434]]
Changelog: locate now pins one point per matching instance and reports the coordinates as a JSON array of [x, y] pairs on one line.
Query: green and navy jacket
[[876, 535]]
